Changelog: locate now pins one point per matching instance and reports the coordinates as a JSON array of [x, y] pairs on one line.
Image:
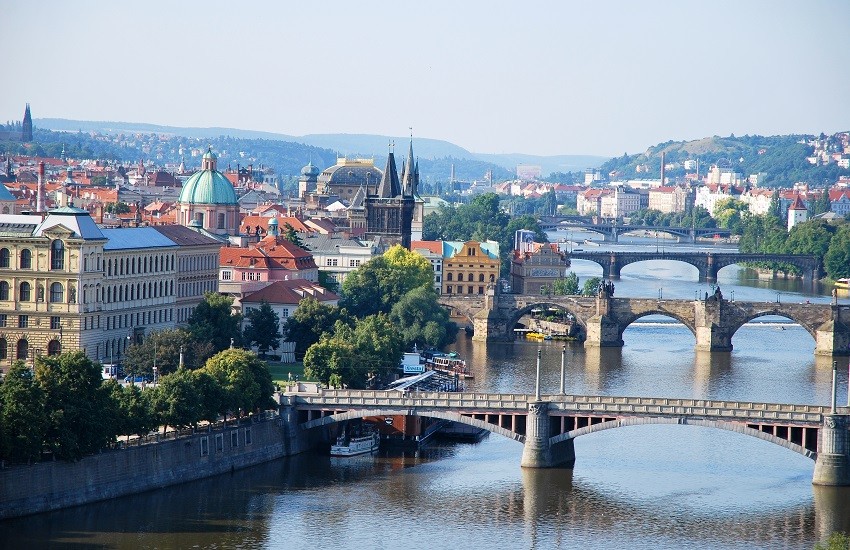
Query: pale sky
[[596, 77]]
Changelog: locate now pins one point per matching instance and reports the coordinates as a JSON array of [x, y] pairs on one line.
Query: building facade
[[534, 269], [470, 267]]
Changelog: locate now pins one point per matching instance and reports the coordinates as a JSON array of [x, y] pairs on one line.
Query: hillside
[[363, 145], [782, 159]]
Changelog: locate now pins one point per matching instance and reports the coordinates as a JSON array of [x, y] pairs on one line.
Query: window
[[448, 276], [332, 262], [4, 290], [55, 323], [221, 221], [57, 293], [219, 443], [205, 446], [480, 277], [4, 257], [3, 319], [57, 255], [449, 288], [26, 259], [26, 292], [480, 290], [54, 347], [4, 349], [23, 348], [460, 276], [285, 313], [226, 275], [234, 438], [247, 436], [469, 289], [23, 321]]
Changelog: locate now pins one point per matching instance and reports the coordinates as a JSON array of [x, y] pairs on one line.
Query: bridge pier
[[833, 337], [538, 452], [712, 334], [832, 466]]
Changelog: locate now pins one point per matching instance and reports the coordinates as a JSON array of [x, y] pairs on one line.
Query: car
[[138, 379]]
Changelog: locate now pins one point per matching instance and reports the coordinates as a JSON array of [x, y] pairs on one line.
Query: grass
[[281, 371]]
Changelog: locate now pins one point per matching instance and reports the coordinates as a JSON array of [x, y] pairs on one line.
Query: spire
[[409, 174], [389, 186], [26, 125]]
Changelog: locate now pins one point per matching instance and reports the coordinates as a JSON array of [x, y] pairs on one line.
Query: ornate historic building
[[209, 201], [471, 267], [535, 267]]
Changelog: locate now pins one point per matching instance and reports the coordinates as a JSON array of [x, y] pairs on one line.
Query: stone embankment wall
[[53, 485]]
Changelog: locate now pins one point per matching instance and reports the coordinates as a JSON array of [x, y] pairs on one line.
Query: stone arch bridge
[[601, 320], [547, 426]]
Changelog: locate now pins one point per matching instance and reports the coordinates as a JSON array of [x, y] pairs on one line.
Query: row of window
[[139, 265], [197, 288], [54, 347], [450, 289], [57, 257], [57, 292], [139, 318], [138, 291], [197, 263], [470, 277], [334, 262]]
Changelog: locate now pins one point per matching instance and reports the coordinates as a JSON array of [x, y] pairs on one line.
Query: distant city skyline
[[544, 78]]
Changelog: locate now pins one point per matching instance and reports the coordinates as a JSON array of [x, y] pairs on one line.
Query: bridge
[[611, 232], [547, 426], [708, 263], [601, 320]]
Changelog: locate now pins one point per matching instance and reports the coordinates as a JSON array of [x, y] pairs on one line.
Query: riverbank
[[148, 465]]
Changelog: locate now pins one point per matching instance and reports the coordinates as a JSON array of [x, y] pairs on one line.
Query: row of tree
[[64, 408]]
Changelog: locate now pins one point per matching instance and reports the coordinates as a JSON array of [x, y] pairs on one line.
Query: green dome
[[208, 187]]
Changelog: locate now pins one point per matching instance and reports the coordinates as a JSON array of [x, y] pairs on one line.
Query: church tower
[[26, 126], [389, 212]]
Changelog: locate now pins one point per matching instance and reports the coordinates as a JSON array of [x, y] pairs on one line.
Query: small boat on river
[[355, 445], [449, 364]]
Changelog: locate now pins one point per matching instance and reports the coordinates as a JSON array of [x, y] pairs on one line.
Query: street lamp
[[777, 297], [537, 383], [696, 295], [154, 363], [659, 293], [733, 295], [563, 358]]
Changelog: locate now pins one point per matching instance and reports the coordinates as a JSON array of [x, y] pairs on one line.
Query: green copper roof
[[208, 187]]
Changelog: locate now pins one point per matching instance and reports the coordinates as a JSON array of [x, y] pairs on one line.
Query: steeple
[[389, 186], [408, 183], [26, 126]]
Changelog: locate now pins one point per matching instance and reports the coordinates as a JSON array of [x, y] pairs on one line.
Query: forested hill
[[781, 158]]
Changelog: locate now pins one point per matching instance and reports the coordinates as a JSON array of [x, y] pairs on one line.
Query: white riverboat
[[358, 445]]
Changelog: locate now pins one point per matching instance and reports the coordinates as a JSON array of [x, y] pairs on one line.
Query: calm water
[[658, 487]]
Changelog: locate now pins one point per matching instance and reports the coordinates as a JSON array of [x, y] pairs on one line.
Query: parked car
[[138, 379]]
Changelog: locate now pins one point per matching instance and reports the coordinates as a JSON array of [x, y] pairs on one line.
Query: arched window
[[4, 290], [4, 257], [22, 350], [54, 347], [26, 292], [492, 278], [26, 259], [480, 277], [4, 349], [57, 293], [460, 276], [448, 276], [57, 255]]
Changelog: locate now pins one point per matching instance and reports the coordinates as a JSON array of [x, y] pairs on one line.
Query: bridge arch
[[777, 312], [717, 424], [627, 322], [441, 415], [518, 314]]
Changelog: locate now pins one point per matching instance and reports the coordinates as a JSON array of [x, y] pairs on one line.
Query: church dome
[[209, 186], [310, 170]]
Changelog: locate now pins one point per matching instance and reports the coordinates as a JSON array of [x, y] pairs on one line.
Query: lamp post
[[537, 383], [777, 298], [563, 359], [733, 295], [660, 293], [154, 363], [696, 295]]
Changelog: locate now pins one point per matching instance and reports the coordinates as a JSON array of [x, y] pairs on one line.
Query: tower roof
[[797, 204], [208, 186], [389, 186]]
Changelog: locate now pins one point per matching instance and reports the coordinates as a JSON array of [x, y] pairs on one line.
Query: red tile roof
[[290, 292]]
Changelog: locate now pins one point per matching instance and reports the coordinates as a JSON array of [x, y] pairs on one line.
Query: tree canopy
[[263, 328], [213, 321]]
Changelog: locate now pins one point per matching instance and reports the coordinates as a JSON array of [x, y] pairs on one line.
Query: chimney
[[39, 202], [662, 169]]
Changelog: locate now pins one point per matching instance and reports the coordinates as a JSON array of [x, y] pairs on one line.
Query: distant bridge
[[547, 425], [601, 320], [708, 263], [611, 232]]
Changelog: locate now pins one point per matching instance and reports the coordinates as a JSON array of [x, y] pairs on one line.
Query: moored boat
[[842, 283], [358, 445], [450, 364]]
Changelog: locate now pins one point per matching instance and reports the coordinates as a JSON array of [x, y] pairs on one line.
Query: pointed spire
[[408, 177], [389, 186]]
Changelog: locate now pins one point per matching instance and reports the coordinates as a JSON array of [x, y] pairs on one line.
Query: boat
[[449, 364], [356, 445], [842, 283], [535, 335]]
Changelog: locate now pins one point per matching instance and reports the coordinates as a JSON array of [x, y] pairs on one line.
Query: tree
[[809, 237], [22, 420], [175, 400], [77, 405], [291, 235], [421, 321], [244, 379], [310, 321], [135, 411], [592, 286], [837, 257], [381, 282], [566, 286], [213, 321], [263, 329], [164, 346]]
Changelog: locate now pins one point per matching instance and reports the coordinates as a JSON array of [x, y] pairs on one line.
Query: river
[[653, 487]]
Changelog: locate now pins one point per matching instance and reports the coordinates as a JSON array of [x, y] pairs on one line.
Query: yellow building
[[470, 268]]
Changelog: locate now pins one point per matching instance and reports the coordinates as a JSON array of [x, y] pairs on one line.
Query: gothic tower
[[26, 126]]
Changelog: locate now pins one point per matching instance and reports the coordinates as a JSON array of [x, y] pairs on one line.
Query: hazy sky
[[561, 77]]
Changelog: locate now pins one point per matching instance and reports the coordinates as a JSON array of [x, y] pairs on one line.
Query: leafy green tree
[[422, 321], [837, 257], [809, 237], [22, 420], [213, 321], [117, 208], [331, 361], [328, 282], [175, 400], [77, 405], [135, 412], [263, 328], [566, 286], [244, 379], [210, 395], [381, 282], [165, 346], [291, 235], [729, 214], [592, 286], [820, 204], [310, 321]]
